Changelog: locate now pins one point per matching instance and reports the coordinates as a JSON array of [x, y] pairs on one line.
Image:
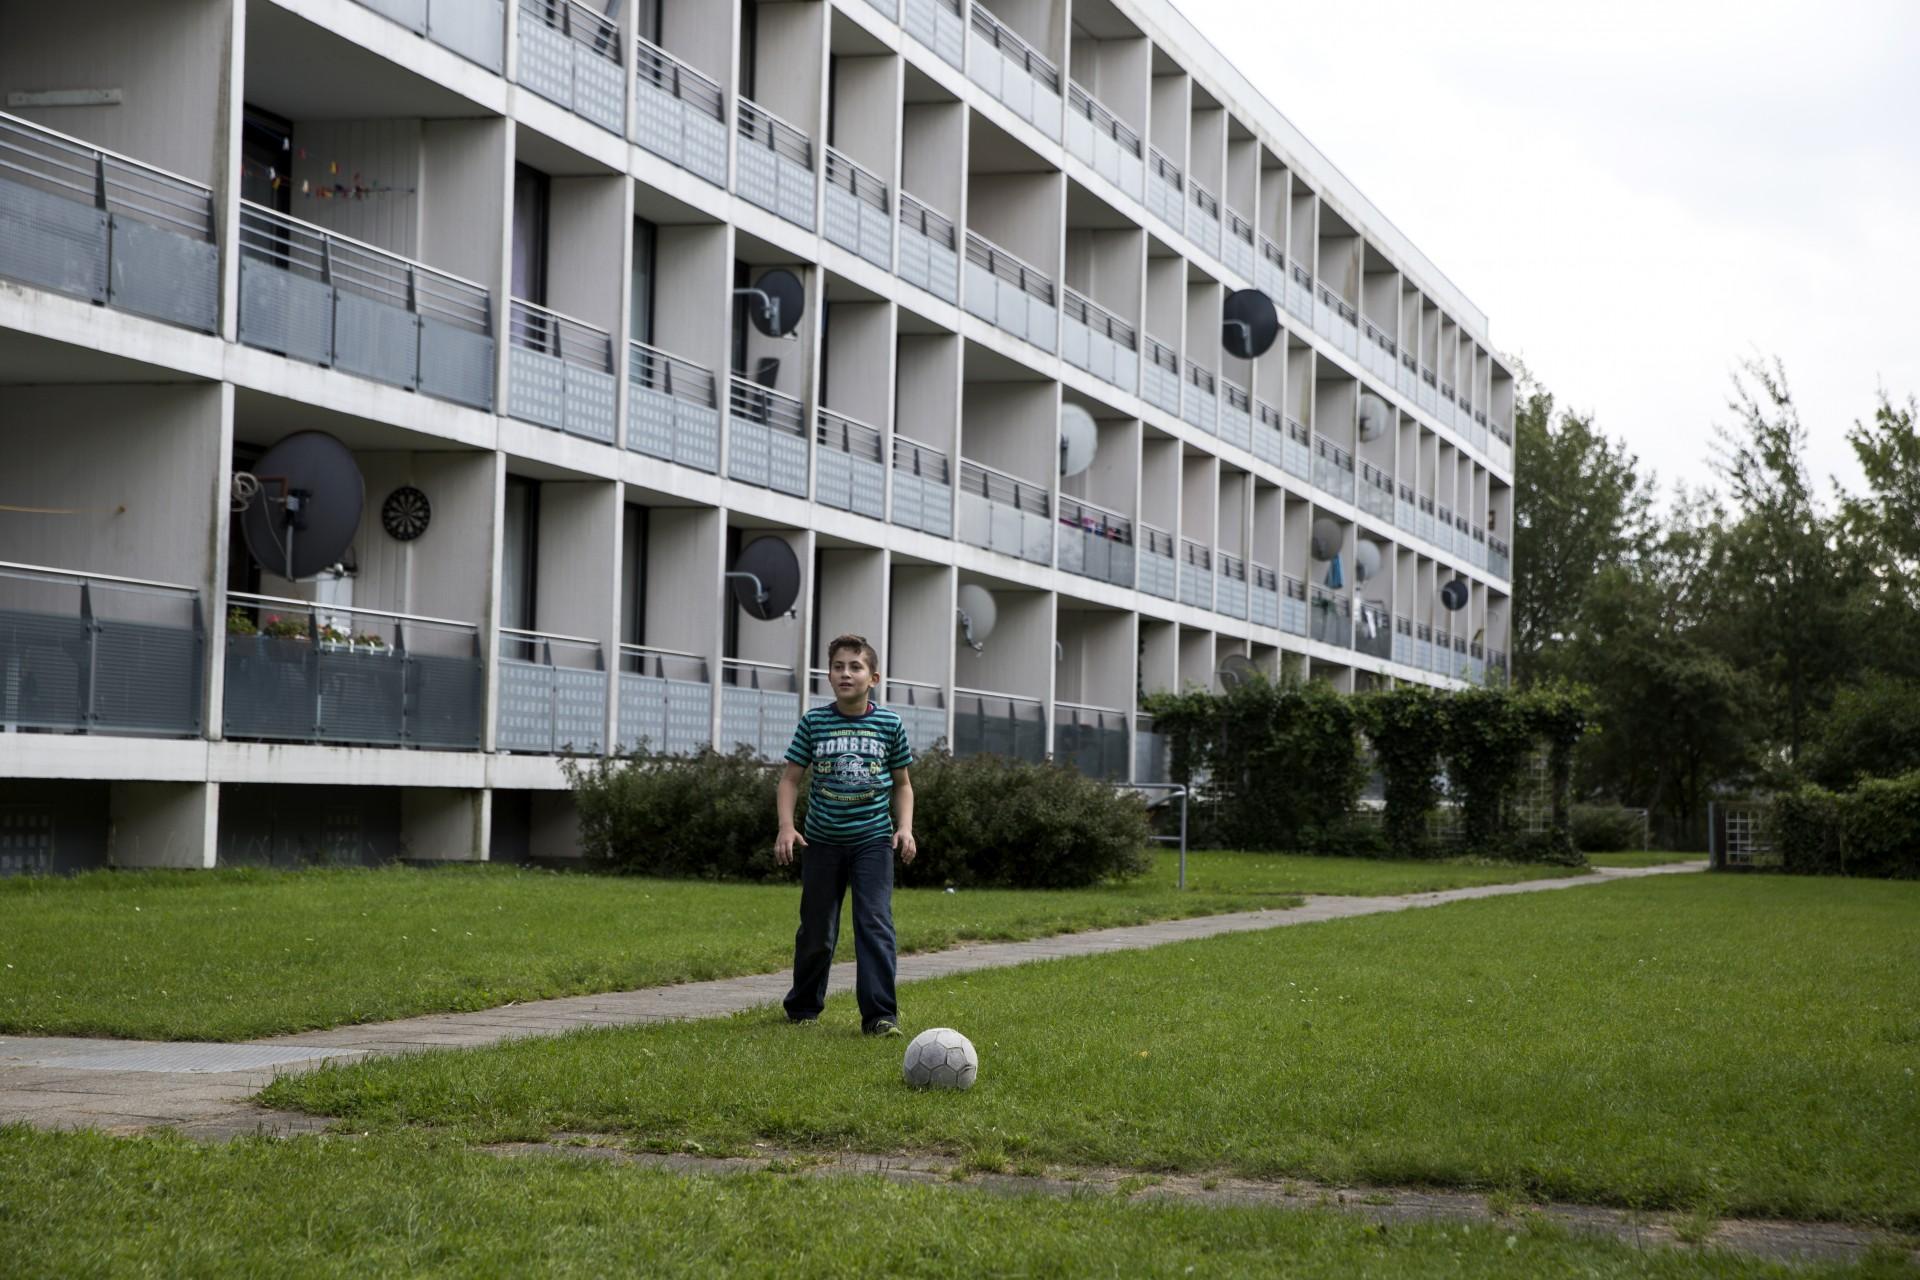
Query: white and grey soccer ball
[[941, 1058]]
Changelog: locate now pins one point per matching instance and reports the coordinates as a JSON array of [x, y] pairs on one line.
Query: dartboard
[[405, 513]]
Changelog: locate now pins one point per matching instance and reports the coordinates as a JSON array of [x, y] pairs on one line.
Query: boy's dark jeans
[[825, 872]]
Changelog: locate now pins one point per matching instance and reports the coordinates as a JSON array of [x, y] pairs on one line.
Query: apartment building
[[515, 257]]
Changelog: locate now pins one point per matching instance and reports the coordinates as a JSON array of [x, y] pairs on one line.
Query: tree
[[1882, 529]]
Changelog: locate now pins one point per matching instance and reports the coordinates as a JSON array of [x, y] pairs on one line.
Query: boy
[[859, 810]]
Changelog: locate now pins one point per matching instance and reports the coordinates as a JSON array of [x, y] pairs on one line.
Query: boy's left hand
[[904, 845]]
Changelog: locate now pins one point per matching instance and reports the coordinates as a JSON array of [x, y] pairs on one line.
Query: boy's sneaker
[[804, 1022], [885, 1027]]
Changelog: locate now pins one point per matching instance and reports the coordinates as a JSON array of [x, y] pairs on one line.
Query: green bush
[[1488, 743], [1880, 828], [706, 817], [1602, 828], [988, 821], [1407, 728], [1872, 731], [1806, 830]]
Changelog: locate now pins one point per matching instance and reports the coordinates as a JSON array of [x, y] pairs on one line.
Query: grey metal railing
[[1200, 398], [1010, 69], [1103, 141], [1160, 375], [665, 701], [1230, 585], [1499, 557], [773, 164], [1094, 339], [301, 671], [673, 409], [1332, 468], [1263, 599], [1373, 629], [560, 372], [1376, 491], [849, 466], [1156, 564], [1203, 218], [474, 29], [318, 296], [1095, 543], [1091, 739], [922, 488], [928, 254], [1293, 605], [1196, 574], [82, 221], [859, 210], [1098, 320], [939, 25], [679, 114], [986, 723], [1004, 513], [1009, 293], [759, 706], [1299, 291], [766, 438], [1236, 415], [570, 55], [1017, 51], [1236, 247], [922, 708], [95, 654], [1166, 189], [553, 694], [1332, 617]]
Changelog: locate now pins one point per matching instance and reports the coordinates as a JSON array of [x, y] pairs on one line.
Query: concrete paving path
[[126, 1086]]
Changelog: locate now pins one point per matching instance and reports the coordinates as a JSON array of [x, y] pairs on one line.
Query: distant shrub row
[[1873, 830]]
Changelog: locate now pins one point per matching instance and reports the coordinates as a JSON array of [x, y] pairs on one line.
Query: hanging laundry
[[1336, 578]]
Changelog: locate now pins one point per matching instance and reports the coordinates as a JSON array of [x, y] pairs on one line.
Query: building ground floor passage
[[403, 400]]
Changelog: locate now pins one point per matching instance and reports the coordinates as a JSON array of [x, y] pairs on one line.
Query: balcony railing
[[553, 694], [938, 25], [1150, 752], [1091, 739], [474, 29], [1105, 144], [666, 702], [922, 708], [1332, 468], [859, 211], [1293, 606], [1402, 651], [77, 220], [1156, 562], [673, 410], [1263, 600], [1499, 558], [1013, 71], [1196, 574], [1236, 415], [571, 55], [1160, 375], [1230, 591], [766, 438], [1373, 630], [1166, 190], [1200, 399], [1009, 293], [1203, 218], [1300, 292], [1379, 354], [1443, 528], [298, 671], [1376, 492], [1335, 319], [1005, 514], [774, 165], [759, 705], [1407, 378], [922, 488], [1270, 270], [318, 296], [1423, 645], [1332, 617], [1095, 543], [1426, 526], [928, 256], [1236, 248], [560, 372], [1001, 724], [1094, 339], [89, 653], [679, 114], [849, 467], [1406, 512]]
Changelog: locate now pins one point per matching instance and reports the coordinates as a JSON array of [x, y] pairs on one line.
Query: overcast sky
[[1638, 194]]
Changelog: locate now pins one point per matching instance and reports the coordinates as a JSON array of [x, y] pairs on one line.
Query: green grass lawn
[[82, 1204], [1744, 1044], [226, 955], [1642, 858]]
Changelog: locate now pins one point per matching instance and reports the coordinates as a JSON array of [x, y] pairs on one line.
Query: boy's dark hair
[[865, 646]]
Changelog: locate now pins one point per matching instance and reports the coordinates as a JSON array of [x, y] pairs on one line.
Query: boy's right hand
[[785, 843]]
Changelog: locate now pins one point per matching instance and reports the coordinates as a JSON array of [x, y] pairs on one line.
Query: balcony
[[928, 256], [759, 706], [1428, 397], [1095, 543], [1443, 528], [1236, 250], [1479, 547], [1496, 666], [1196, 574], [1203, 219], [1300, 293], [1235, 425], [1230, 592], [1008, 293], [937, 25], [766, 438], [849, 471], [666, 702], [859, 213], [1423, 646], [560, 372], [1105, 145], [774, 167], [1166, 190], [679, 114], [1001, 724], [570, 55], [1408, 377], [553, 694], [1332, 468], [1091, 739], [87, 653], [1151, 754], [1426, 525], [1160, 376], [1332, 617], [1200, 400], [673, 410], [1500, 447], [1376, 492], [1373, 630], [1379, 354], [1403, 640], [1094, 339], [1270, 271], [922, 708], [474, 29], [1293, 606], [316, 296], [1263, 601], [96, 226], [1462, 660], [1476, 663], [1406, 512], [1156, 562], [1499, 559], [297, 671], [922, 488], [1335, 320], [1004, 514], [1011, 70]]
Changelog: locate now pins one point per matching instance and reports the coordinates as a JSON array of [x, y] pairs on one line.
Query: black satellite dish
[[765, 578], [775, 302], [1248, 323], [1453, 596], [307, 508]]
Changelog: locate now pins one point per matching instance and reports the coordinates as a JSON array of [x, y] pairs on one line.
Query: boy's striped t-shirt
[[850, 762]]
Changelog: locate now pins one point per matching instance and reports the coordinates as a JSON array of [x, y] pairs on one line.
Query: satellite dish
[[1454, 595], [765, 578], [1235, 671], [976, 614], [1373, 416], [775, 302], [1248, 323], [1079, 439], [1366, 559], [307, 507], [1326, 538]]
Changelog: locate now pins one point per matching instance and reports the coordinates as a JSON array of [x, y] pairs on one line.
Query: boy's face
[[852, 677]]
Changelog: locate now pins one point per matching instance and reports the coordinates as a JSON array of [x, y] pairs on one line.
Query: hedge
[[1873, 830]]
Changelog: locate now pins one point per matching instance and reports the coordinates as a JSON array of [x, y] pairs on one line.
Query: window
[[645, 237], [266, 159], [520, 554], [633, 558], [530, 196]]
